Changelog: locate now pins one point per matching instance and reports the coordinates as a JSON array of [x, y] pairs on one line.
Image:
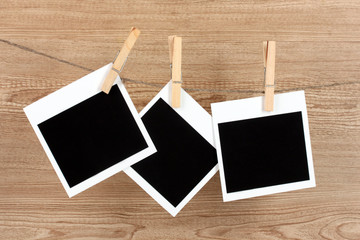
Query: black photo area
[[263, 151], [183, 156], [92, 136]]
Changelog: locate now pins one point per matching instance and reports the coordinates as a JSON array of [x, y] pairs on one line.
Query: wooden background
[[45, 45]]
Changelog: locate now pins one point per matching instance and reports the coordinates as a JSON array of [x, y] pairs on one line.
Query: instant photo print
[[185, 159], [89, 135], [262, 152]]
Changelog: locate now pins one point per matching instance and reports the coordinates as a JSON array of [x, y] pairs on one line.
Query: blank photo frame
[[261, 152], [89, 135], [185, 159]]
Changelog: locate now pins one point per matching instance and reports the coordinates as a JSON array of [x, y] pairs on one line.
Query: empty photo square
[[90, 136], [183, 156], [261, 152]]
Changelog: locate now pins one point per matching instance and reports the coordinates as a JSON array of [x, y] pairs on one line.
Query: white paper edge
[[253, 108], [69, 96], [201, 121]]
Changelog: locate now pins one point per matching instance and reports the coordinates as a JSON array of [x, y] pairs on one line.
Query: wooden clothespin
[[120, 60], [269, 73], [175, 45]]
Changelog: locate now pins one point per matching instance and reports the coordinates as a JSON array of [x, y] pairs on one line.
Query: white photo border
[[200, 120], [66, 98], [253, 108]]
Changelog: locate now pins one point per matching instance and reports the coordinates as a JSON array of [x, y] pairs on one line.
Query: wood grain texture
[[46, 45]]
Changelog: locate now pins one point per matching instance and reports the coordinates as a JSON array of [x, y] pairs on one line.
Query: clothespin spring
[[171, 75], [265, 85], [122, 67]]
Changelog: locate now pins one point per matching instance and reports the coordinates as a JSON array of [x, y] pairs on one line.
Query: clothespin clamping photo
[[120, 59], [175, 45], [269, 74]]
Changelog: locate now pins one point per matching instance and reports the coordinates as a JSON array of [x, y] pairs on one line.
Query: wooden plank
[[221, 61]]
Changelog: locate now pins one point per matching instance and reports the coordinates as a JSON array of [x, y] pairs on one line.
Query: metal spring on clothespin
[[122, 67], [171, 75]]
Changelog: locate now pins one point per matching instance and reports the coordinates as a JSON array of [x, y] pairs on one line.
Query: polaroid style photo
[[186, 157], [89, 135], [261, 152]]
